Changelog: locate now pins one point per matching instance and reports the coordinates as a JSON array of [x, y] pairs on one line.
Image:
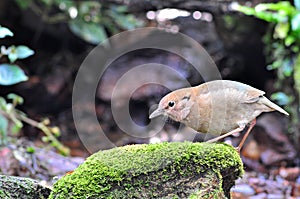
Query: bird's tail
[[271, 105]]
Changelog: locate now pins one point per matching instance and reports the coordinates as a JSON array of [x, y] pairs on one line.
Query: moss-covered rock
[[12, 187], [164, 170]]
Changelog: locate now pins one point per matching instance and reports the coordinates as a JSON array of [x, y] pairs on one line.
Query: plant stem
[[53, 140]]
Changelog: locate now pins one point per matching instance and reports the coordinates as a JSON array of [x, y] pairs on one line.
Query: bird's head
[[176, 105]]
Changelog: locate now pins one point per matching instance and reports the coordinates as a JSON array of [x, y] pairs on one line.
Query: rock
[[259, 196], [19, 187], [244, 189], [163, 170], [276, 196]]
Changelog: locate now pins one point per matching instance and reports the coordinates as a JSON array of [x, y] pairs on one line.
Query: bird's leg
[[252, 124], [239, 129]]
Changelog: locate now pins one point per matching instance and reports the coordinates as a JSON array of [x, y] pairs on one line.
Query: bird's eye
[[171, 103]]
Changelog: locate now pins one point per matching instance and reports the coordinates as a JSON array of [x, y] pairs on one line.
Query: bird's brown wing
[[244, 92]]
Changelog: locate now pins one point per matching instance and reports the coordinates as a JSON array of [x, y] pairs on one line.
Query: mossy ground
[[163, 170]]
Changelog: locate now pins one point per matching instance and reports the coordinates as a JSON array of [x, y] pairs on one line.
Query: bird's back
[[228, 86]]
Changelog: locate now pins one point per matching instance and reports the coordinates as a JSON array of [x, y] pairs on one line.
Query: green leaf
[[3, 125], [3, 103], [275, 64], [295, 49], [88, 7], [297, 73], [15, 98], [281, 30], [271, 17], [11, 74], [9, 108], [45, 139], [12, 55], [283, 6], [270, 12], [63, 4], [125, 21], [23, 52], [5, 32], [19, 52], [264, 15], [287, 67], [90, 32], [16, 127], [54, 144], [120, 9], [23, 4], [56, 131], [289, 40], [296, 23], [281, 98], [297, 4], [30, 149], [47, 2], [246, 10]]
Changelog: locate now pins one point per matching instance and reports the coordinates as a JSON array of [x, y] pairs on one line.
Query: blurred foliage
[[11, 119], [282, 43], [89, 20], [10, 73]]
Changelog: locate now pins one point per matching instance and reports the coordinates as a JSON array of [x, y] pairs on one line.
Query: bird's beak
[[156, 113]]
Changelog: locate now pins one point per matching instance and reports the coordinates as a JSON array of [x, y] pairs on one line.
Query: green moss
[[148, 171], [20, 187], [4, 194]]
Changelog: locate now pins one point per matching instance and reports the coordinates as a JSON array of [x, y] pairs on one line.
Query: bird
[[218, 107]]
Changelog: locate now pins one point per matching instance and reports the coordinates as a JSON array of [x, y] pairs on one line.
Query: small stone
[[259, 196], [244, 189], [276, 196]]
